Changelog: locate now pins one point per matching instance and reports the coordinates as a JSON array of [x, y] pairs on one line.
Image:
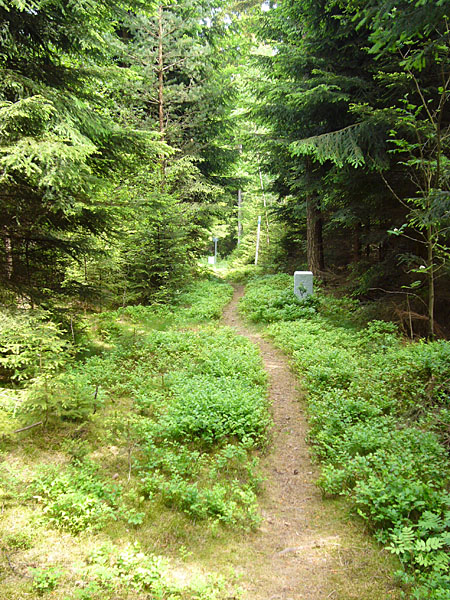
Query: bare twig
[[398, 292], [12, 567], [29, 427]]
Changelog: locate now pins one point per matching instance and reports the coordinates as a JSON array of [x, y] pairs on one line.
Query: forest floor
[[307, 547]]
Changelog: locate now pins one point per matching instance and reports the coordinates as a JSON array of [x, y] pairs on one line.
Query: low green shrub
[[198, 410], [204, 424], [130, 572], [196, 413], [70, 396], [19, 540], [203, 300], [244, 273], [213, 410], [30, 345], [75, 499], [378, 407], [45, 580], [271, 298]]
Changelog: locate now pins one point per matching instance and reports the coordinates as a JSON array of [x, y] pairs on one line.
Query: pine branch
[[340, 147]]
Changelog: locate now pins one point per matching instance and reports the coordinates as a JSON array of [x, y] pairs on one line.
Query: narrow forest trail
[[306, 548]]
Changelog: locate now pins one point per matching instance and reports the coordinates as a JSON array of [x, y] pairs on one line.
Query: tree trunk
[[431, 292], [239, 224], [239, 234], [265, 208], [314, 236], [160, 71]]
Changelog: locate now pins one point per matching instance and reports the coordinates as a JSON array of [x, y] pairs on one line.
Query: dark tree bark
[[160, 71], [8, 253]]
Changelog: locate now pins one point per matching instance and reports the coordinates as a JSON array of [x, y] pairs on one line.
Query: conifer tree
[[58, 143]]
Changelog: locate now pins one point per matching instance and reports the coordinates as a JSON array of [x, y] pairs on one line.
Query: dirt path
[[305, 548]]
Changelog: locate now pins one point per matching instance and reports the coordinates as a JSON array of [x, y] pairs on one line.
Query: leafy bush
[[75, 498], [204, 424], [198, 425], [8, 424], [203, 300], [196, 413], [20, 540], [45, 580], [214, 410]]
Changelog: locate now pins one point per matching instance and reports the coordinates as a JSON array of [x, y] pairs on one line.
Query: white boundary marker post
[[303, 284]]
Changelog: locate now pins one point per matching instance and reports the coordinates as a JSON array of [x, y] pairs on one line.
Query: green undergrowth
[[167, 417], [198, 413], [110, 572], [270, 298], [379, 419]]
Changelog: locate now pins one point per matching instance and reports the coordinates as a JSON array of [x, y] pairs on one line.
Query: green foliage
[[160, 255], [93, 198], [271, 298], [57, 148], [204, 300], [114, 572], [339, 146], [372, 406], [243, 273], [19, 540], [75, 498], [419, 27], [199, 404], [204, 424], [198, 411], [31, 344], [199, 301], [70, 396], [8, 423], [213, 408], [45, 580], [353, 99]]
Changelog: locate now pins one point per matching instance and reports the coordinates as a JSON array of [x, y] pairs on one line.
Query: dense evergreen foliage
[[95, 98], [355, 101]]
